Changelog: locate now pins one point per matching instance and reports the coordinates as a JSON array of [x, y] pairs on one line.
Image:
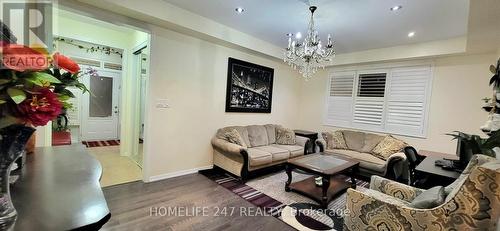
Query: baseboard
[[178, 173]]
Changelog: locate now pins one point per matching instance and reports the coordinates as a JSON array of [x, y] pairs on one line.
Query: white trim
[[384, 65], [178, 173]]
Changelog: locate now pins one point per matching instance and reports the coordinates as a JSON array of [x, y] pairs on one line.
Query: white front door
[[100, 111]]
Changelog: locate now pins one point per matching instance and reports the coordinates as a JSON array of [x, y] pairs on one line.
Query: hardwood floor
[[152, 206]]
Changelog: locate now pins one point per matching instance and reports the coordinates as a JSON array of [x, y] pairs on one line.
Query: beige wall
[[192, 74], [459, 84]]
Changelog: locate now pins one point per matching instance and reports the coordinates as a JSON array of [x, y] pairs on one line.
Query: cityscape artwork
[[249, 87]]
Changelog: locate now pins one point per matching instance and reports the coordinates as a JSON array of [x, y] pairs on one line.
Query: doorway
[[102, 120]]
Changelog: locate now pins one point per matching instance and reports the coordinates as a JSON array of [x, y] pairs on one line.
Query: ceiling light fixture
[[411, 34], [395, 8], [289, 34], [239, 10], [310, 54]]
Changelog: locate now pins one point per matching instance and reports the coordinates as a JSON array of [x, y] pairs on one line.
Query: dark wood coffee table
[[329, 168]]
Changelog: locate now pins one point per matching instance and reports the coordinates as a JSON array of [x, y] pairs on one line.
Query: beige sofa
[[359, 146], [261, 151]]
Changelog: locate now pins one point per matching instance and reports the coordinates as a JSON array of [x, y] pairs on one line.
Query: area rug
[[101, 143], [268, 193]]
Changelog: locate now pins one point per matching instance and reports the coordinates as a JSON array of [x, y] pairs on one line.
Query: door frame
[[136, 71]]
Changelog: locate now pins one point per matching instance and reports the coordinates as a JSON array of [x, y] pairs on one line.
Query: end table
[[313, 136]]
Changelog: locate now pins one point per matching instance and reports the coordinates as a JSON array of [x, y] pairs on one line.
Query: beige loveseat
[[359, 147], [261, 151]]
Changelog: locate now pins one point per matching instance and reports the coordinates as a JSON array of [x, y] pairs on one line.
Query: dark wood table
[[329, 168], [313, 136], [429, 175], [58, 189]]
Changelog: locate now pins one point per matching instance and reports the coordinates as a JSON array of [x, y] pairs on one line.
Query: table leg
[[353, 180], [288, 170], [325, 186]]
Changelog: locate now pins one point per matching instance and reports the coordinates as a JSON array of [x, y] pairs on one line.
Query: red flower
[[63, 62], [40, 108], [22, 58]]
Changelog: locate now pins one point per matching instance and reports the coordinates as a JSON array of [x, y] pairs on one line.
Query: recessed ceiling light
[[289, 34], [239, 10], [411, 34], [395, 8], [298, 35]]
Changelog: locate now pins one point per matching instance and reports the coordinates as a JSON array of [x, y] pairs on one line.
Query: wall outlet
[[162, 103]]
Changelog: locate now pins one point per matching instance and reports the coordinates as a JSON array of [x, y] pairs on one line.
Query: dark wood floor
[[132, 204]]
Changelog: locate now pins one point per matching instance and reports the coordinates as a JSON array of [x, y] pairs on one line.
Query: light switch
[[162, 103]]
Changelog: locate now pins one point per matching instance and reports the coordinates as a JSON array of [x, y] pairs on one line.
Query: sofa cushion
[[295, 150], [388, 146], [428, 199], [334, 140], [234, 137], [271, 133], [285, 136], [371, 141], [241, 130], [258, 157], [277, 153], [366, 160], [354, 140], [257, 135]]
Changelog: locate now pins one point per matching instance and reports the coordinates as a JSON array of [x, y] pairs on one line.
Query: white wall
[[459, 84], [192, 74]]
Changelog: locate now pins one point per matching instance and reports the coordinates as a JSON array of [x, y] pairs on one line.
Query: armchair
[[472, 203]]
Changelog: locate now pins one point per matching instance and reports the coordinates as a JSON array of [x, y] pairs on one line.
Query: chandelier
[[309, 55]]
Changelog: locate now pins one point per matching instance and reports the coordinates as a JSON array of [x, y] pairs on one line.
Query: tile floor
[[116, 169]]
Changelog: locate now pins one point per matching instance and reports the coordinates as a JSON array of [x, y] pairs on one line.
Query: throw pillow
[[234, 137], [388, 146], [430, 198], [334, 140], [285, 136]]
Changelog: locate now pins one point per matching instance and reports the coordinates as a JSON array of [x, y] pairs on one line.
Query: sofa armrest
[[321, 143], [394, 189], [366, 210], [227, 147], [397, 167], [302, 141]]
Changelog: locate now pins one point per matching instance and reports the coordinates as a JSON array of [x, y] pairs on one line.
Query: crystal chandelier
[[309, 55]]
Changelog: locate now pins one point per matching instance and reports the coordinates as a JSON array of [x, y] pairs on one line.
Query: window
[[390, 101], [371, 85]]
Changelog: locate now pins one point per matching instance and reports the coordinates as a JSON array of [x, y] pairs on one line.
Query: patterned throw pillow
[[388, 146], [234, 137], [285, 136], [334, 140]]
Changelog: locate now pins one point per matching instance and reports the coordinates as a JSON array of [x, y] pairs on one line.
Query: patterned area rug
[[268, 192], [102, 143]]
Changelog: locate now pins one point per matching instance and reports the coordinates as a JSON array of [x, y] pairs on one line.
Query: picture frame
[[249, 87]]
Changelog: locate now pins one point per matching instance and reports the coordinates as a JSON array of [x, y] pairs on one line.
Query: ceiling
[[354, 24]]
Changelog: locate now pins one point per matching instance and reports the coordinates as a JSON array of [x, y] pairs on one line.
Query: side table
[[313, 136]]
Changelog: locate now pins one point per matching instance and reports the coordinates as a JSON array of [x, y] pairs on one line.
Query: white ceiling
[[355, 24]]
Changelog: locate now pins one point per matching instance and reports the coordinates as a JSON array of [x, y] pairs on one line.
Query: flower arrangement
[[33, 85]]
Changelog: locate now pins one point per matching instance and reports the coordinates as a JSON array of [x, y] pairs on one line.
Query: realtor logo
[[29, 22]]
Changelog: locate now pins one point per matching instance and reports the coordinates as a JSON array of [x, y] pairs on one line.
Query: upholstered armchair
[[472, 203]]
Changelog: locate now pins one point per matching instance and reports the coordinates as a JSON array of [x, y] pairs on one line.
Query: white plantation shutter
[[369, 101], [368, 112], [394, 100], [407, 100], [340, 99]]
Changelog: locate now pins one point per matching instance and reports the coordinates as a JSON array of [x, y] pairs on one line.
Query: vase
[[12, 145]]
